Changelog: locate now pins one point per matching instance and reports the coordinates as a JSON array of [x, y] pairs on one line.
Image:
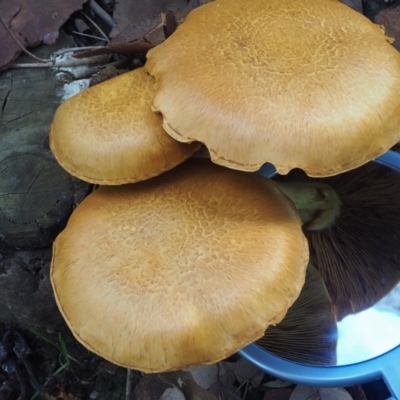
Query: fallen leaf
[[278, 394], [145, 34], [62, 391], [130, 12], [277, 383], [151, 387], [138, 38], [193, 391], [310, 393], [244, 371], [226, 387], [205, 375], [226, 374], [184, 381], [61, 395], [32, 24], [172, 394]]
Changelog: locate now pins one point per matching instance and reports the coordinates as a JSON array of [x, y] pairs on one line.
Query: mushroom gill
[[308, 333], [358, 255]]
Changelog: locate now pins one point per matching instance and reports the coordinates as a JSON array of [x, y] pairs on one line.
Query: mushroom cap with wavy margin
[[182, 269], [109, 135], [308, 84]]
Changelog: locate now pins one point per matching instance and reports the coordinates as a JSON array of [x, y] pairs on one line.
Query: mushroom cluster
[[191, 265]]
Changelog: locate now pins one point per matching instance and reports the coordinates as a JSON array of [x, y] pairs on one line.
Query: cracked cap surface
[[182, 269], [109, 135]]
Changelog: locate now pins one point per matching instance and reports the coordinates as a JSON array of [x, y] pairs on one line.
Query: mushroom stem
[[317, 203]]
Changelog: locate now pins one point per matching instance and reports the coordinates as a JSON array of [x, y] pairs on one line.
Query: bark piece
[[36, 194], [36, 199]]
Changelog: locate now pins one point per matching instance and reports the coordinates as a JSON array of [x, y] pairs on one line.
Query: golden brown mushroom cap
[[109, 135], [308, 84], [182, 269]]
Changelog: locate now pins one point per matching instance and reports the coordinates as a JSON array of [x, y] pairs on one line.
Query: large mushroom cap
[[307, 84], [182, 269], [109, 135]]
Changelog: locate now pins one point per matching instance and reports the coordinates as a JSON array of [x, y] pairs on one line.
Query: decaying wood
[[36, 194]]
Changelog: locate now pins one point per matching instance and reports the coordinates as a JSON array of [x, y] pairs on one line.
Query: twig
[[128, 388], [73, 49], [86, 35], [20, 45], [70, 62], [97, 27], [31, 65], [101, 13]]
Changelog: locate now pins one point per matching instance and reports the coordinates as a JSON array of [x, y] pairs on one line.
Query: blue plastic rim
[[385, 366]]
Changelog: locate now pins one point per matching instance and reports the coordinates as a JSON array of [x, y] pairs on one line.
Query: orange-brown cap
[[182, 269], [109, 135], [308, 84]]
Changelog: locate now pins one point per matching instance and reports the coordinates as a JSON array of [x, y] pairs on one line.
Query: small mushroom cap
[[308, 84], [182, 269], [109, 135]]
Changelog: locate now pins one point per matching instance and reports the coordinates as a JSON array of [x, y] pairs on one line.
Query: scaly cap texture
[[182, 269]]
